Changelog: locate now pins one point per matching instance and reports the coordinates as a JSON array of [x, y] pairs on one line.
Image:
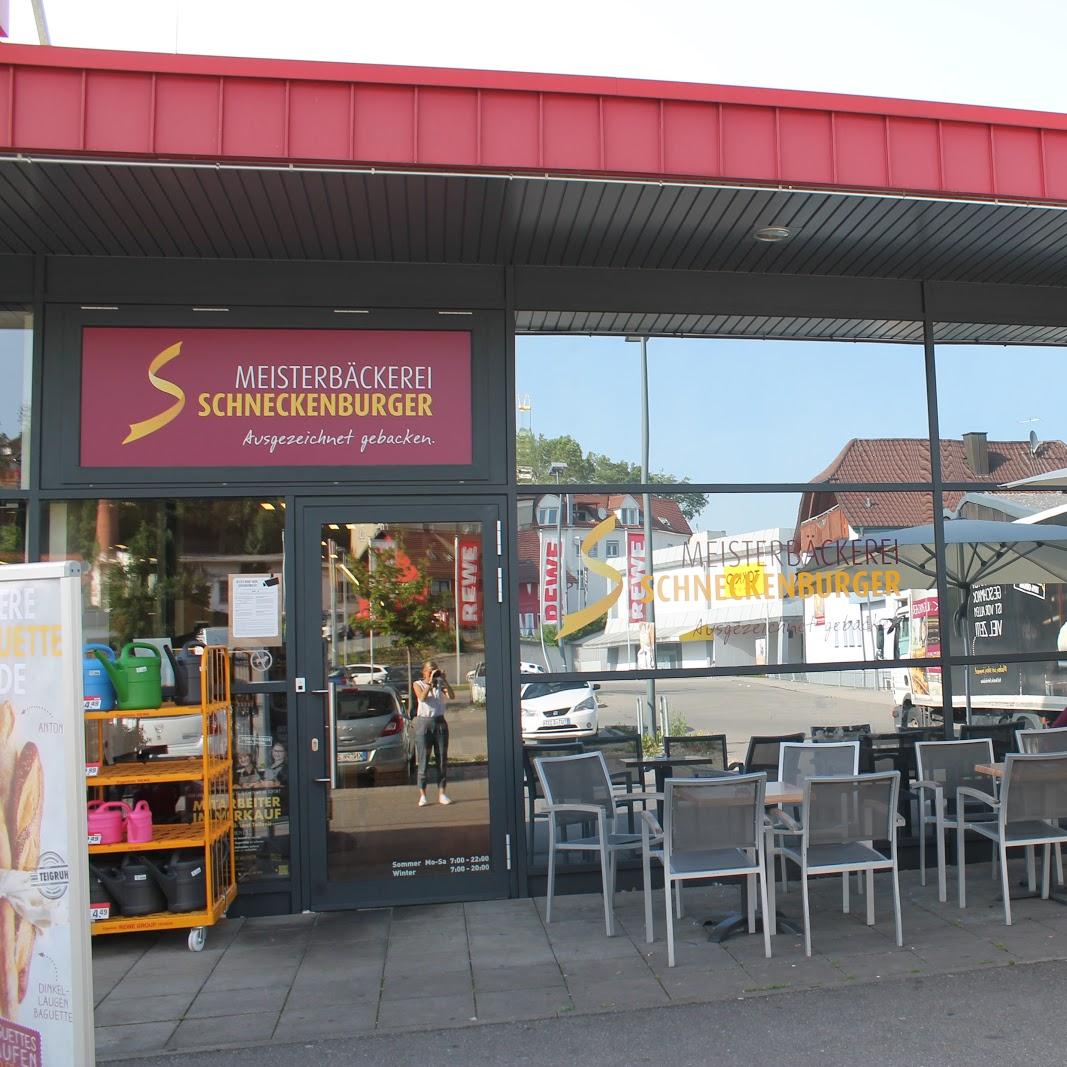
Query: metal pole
[[43, 36], [370, 600], [332, 577], [646, 507], [344, 612], [561, 587], [455, 590]]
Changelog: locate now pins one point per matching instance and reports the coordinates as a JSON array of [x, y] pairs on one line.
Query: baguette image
[[9, 975], [25, 807]]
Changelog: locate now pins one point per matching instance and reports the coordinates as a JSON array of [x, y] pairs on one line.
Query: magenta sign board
[[161, 397]]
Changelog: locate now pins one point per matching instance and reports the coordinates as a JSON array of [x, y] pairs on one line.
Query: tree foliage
[[537, 453]]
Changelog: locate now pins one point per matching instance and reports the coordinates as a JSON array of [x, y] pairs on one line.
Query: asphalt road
[[741, 707], [999, 1015]]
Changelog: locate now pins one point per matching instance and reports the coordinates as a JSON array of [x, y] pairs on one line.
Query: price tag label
[[94, 839], [99, 911], [92, 770]]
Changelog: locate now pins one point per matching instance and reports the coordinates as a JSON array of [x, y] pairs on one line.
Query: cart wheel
[[197, 938]]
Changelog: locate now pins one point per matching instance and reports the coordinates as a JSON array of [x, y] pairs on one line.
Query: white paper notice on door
[[255, 610]]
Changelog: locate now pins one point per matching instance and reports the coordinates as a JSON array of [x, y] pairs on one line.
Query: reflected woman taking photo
[[432, 692]]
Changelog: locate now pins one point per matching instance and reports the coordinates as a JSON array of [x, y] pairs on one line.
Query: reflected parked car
[[477, 681], [558, 709], [373, 734], [365, 673]]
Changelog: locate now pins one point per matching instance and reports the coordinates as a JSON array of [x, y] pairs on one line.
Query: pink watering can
[[106, 819], [139, 824]]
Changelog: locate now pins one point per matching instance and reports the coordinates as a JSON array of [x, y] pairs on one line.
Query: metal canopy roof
[[125, 209], [119, 154]]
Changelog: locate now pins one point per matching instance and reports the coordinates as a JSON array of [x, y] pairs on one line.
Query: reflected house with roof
[[844, 626]]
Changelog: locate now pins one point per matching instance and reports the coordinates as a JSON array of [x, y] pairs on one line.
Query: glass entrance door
[[402, 718]]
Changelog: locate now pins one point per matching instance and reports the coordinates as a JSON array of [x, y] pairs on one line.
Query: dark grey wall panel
[[120, 280], [16, 279]]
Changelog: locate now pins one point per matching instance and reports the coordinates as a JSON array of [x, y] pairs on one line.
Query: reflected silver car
[[373, 734]]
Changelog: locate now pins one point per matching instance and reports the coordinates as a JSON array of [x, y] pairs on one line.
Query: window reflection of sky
[[14, 364], [774, 411]]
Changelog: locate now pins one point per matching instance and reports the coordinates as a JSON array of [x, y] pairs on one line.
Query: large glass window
[[162, 572], [16, 361]]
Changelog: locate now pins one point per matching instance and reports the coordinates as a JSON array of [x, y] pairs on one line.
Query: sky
[[708, 398]]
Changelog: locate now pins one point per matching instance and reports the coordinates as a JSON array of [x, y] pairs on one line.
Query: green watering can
[[136, 678]]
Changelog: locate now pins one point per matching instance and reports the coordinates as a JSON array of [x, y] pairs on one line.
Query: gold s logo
[[157, 422], [582, 618]]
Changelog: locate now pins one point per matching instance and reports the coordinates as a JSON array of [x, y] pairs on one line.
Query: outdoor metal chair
[[943, 767], [711, 746], [1033, 741], [616, 748], [1002, 734], [712, 828], [842, 819], [1033, 800], [533, 791], [762, 755], [578, 790], [799, 761]]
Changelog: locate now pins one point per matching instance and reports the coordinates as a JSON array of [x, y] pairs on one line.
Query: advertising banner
[[636, 569], [469, 566], [550, 577], [162, 397], [45, 979]]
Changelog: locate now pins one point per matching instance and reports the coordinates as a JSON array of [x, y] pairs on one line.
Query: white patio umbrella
[[977, 552]]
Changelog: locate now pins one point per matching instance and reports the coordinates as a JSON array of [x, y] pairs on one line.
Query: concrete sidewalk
[[296, 979]]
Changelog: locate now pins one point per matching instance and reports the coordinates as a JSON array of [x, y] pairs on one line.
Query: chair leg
[[767, 915], [870, 898], [961, 864], [551, 867], [844, 893], [785, 873], [1005, 889], [646, 875], [750, 892], [668, 888], [922, 848], [1059, 864], [896, 908], [807, 911], [605, 879], [679, 906], [1031, 869], [770, 913], [1046, 870], [939, 832]]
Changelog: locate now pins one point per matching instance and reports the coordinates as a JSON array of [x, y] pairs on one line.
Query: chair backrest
[[704, 814], [1034, 787], [579, 779], [841, 733], [952, 764], [844, 809], [799, 761], [1033, 741], [711, 746], [530, 753], [1002, 734], [615, 749], [763, 753]]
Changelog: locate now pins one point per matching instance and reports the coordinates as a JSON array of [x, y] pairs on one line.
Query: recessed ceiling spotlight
[[773, 233]]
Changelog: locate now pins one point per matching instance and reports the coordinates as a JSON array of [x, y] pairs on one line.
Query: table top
[[783, 793], [994, 770], [664, 761]]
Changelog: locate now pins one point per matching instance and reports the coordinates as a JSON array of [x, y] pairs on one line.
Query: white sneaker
[[423, 801], [443, 799]]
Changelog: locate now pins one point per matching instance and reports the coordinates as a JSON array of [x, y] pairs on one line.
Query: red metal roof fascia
[[78, 102]]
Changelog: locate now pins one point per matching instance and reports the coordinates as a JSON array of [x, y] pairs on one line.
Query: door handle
[[323, 780]]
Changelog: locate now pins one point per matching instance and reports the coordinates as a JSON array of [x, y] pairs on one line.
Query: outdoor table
[[660, 765]]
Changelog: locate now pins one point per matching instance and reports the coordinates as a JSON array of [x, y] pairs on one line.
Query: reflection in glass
[[12, 532], [160, 570], [16, 356], [714, 591], [395, 596]]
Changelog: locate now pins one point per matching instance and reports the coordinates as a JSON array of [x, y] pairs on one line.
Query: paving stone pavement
[[297, 978]]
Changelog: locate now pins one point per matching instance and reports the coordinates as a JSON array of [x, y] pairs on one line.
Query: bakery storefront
[[335, 365]]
